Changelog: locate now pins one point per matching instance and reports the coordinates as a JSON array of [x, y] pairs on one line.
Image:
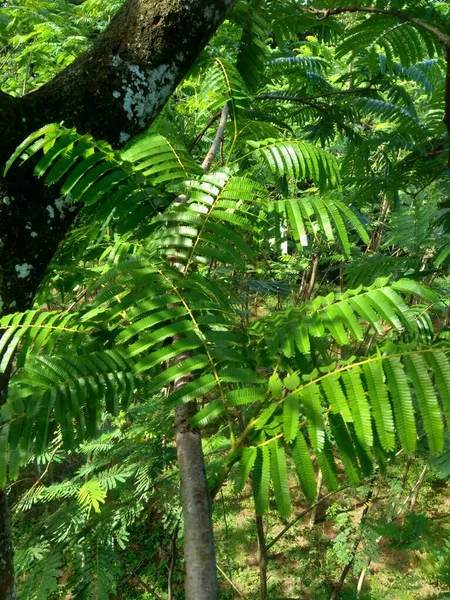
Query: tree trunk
[[262, 558], [201, 576], [7, 584], [114, 91]]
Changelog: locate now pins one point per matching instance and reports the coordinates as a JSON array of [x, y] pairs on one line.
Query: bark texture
[[114, 91], [200, 577], [7, 587]]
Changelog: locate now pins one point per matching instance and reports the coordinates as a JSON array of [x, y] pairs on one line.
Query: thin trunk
[[201, 575], [200, 560], [312, 279], [262, 558], [7, 582], [416, 489]]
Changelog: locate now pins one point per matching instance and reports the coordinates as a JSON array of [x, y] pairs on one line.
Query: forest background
[[234, 219]]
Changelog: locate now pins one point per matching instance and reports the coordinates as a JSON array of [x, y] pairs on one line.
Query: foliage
[[333, 161]]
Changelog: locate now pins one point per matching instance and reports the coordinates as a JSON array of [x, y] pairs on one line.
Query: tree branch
[[206, 164], [119, 87], [402, 15], [303, 514], [309, 99], [306, 101], [202, 132]]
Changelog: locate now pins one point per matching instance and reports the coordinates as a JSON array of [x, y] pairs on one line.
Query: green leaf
[[280, 478], [292, 381], [261, 480], [300, 454], [245, 466], [402, 402], [359, 406], [275, 386], [426, 396], [290, 416]]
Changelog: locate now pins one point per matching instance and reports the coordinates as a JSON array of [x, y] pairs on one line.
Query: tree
[[115, 90], [365, 353]]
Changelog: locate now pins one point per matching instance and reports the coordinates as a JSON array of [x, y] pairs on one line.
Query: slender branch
[[410, 499], [303, 514], [309, 99], [403, 16], [270, 96], [415, 491], [206, 164], [145, 586], [201, 133], [27, 74], [225, 576]]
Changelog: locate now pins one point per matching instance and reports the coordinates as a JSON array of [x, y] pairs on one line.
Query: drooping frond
[[159, 159], [353, 405], [401, 41], [41, 578], [252, 47], [212, 224], [310, 214], [94, 576], [342, 317], [38, 330], [295, 159], [68, 391], [387, 112], [91, 172]]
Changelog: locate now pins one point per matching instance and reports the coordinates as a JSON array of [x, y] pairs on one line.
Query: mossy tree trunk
[[114, 91]]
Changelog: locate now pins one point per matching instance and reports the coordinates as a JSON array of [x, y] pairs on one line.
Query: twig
[[310, 99], [415, 491], [306, 101], [148, 588], [303, 514], [413, 495], [402, 15], [27, 74], [225, 576], [199, 136]]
